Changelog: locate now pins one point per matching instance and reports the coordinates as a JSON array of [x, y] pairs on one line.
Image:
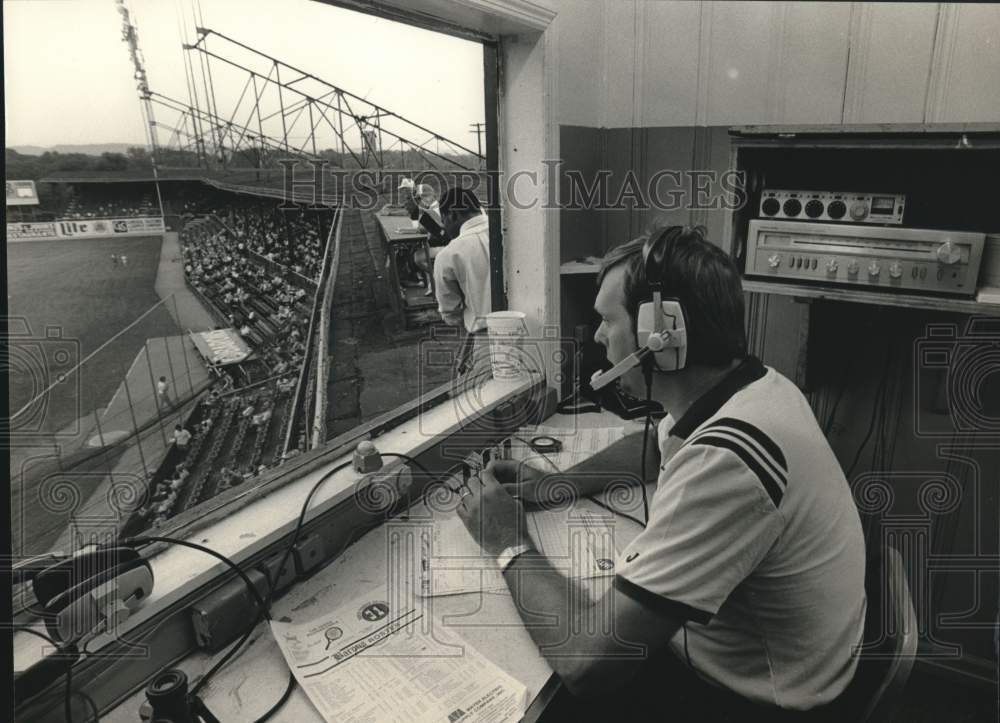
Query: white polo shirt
[[754, 540], [462, 276]]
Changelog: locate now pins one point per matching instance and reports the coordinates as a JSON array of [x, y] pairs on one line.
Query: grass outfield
[[72, 285]]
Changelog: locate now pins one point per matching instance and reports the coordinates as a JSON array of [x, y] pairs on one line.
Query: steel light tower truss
[[214, 140], [283, 110], [130, 36]]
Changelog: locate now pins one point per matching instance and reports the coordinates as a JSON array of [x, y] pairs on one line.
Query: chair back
[[889, 647]]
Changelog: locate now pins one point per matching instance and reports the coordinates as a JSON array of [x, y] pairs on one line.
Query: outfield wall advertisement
[[86, 228], [32, 231]]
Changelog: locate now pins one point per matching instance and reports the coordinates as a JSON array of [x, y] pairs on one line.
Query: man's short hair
[[702, 277], [458, 200]]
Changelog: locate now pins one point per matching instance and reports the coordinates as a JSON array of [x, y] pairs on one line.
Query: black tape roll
[[546, 445]]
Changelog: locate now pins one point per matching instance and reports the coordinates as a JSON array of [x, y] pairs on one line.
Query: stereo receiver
[[909, 259], [833, 206]]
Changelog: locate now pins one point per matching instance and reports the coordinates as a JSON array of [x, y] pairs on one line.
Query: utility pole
[[478, 129]]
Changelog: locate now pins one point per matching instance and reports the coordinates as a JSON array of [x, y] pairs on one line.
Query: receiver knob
[[836, 210], [832, 266], [874, 269], [852, 268], [895, 269], [792, 207], [948, 253], [814, 208], [859, 211], [774, 261], [770, 206]]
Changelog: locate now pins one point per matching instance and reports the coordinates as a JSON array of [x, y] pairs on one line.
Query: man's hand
[[494, 519], [520, 479]]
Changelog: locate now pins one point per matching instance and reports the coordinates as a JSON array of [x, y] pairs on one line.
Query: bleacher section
[[119, 201], [248, 265]]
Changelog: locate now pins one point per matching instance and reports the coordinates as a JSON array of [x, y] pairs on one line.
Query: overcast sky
[[68, 77]]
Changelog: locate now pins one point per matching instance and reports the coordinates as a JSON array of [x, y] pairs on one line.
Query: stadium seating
[[240, 261], [118, 201]]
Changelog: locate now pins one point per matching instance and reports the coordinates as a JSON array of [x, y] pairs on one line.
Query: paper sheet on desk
[[365, 662], [578, 445], [451, 562], [579, 542]]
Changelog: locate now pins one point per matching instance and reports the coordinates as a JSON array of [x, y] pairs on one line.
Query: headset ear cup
[[674, 356]]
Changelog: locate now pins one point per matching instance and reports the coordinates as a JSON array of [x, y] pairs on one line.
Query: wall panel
[[965, 77], [813, 63], [619, 51], [670, 63], [580, 38], [741, 60], [890, 61]]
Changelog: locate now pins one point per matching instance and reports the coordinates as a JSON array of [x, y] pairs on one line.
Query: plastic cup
[[507, 331]]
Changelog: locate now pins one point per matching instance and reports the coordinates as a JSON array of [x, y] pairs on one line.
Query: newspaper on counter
[[451, 562], [367, 662]]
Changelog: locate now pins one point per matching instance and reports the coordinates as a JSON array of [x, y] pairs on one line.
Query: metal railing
[[323, 351], [298, 414]]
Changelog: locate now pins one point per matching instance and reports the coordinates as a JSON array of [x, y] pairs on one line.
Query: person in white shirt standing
[[462, 268], [163, 393]]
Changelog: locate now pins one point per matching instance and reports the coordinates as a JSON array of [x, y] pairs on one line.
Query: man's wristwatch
[[509, 555]]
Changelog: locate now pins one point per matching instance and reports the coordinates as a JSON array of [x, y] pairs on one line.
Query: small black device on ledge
[[168, 701]]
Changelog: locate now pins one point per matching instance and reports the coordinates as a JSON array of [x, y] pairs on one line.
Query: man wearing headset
[[744, 594]]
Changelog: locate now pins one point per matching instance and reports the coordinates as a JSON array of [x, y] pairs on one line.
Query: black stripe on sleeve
[[766, 478], [678, 611], [756, 434], [750, 446]]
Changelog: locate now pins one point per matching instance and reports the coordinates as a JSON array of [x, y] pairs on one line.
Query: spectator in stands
[[181, 438]]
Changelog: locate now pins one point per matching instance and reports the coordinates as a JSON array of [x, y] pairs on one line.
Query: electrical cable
[[264, 606], [144, 540], [272, 583], [592, 498], [832, 416], [60, 651], [609, 508], [876, 406], [69, 693], [93, 706], [645, 442], [281, 701], [409, 460]]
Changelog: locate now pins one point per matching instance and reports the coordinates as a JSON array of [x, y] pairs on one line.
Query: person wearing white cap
[[422, 204]]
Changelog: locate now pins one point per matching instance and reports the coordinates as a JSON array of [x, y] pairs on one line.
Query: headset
[[660, 326]]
